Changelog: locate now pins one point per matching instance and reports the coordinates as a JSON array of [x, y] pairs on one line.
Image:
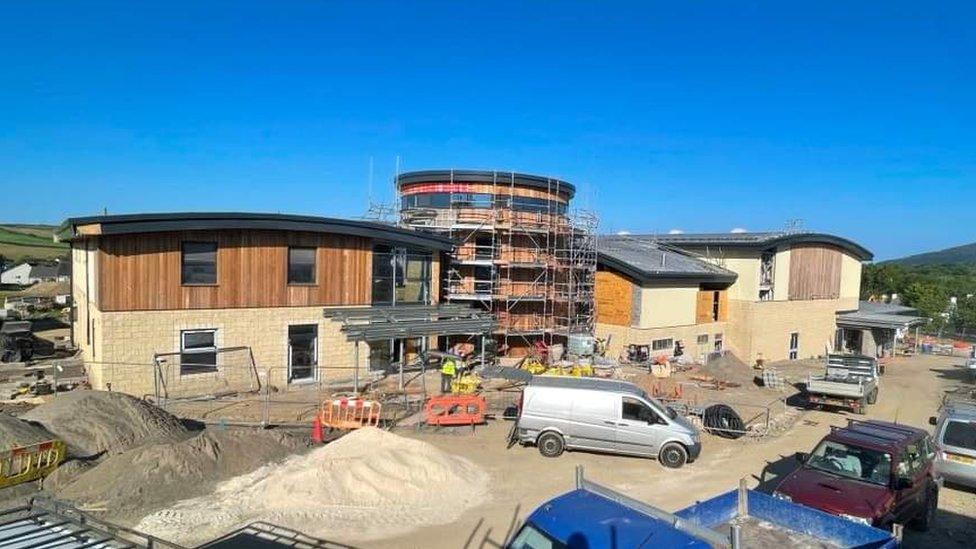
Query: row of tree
[[928, 288]]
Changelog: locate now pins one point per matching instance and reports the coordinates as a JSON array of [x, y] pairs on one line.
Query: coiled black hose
[[721, 420]]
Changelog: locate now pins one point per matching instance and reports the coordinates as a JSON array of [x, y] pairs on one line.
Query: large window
[[301, 265], [662, 344], [198, 351], [481, 200], [198, 263], [400, 276], [302, 351]]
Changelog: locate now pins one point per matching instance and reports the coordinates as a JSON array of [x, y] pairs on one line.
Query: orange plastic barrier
[[350, 413], [456, 410]]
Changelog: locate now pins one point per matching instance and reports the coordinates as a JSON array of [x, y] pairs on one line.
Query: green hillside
[[20, 242], [958, 255]]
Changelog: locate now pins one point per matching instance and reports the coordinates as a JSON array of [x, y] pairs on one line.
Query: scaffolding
[[530, 264]]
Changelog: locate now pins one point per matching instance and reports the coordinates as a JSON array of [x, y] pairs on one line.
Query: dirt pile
[[728, 367], [97, 422], [142, 480], [16, 432], [369, 484]]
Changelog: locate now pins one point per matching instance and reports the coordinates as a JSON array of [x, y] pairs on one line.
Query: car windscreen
[[659, 406], [960, 434], [851, 462], [530, 537]]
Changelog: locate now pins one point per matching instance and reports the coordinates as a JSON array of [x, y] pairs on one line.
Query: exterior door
[[638, 431], [302, 352]]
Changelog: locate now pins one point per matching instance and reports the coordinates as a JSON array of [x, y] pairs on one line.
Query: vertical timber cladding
[[815, 272], [614, 299], [142, 271]]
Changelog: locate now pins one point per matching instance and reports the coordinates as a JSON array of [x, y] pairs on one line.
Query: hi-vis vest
[[447, 368]]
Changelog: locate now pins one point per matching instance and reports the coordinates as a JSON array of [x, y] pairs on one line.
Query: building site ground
[[138, 466]]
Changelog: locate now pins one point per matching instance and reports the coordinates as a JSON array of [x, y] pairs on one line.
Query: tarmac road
[[910, 392]]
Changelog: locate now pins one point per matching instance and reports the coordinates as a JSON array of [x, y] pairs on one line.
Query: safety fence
[[732, 419]]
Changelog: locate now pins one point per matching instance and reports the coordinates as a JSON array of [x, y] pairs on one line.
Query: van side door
[[638, 428], [910, 482], [592, 422]]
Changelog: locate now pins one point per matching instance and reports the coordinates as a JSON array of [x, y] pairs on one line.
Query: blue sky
[[859, 120]]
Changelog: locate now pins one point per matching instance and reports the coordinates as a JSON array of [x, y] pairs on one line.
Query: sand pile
[[151, 477], [96, 422], [16, 432], [728, 367], [369, 484]]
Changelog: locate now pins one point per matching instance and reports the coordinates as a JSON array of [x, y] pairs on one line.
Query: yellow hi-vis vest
[[447, 368]]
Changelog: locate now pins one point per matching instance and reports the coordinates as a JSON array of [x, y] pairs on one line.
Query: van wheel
[[873, 397], [550, 444], [672, 455]]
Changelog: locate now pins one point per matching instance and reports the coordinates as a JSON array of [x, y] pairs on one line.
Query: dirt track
[[522, 479]]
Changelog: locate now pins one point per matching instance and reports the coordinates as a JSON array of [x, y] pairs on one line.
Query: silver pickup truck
[[851, 381]]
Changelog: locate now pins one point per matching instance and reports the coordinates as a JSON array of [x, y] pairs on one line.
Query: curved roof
[[762, 240], [486, 176], [203, 221]]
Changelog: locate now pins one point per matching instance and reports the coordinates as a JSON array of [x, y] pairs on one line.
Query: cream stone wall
[[763, 328], [781, 275], [667, 305], [129, 340], [621, 336], [84, 293], [850, 276]]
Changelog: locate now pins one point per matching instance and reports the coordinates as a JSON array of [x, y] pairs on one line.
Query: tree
[[930, 300], [965, 314]]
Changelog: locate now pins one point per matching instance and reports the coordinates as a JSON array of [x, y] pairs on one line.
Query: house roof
[[759, 240], [43, 270], [880, 315], [646, 260], [486, 176], [79, 227]]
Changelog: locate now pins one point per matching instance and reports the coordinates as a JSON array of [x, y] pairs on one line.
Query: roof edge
[[485, 176], [176, 221], [646, 277]]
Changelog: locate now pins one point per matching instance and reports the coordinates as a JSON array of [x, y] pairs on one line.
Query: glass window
[[662, 344], [852, 462], [301, 265], [961, 434], [199, 263], [635, 410], [400, 276], [198, 351], [530, 537], [702, 339]]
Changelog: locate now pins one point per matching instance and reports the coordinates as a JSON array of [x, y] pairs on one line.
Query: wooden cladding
[[142, 272], [815, 272], [614, 299], [712, 306]]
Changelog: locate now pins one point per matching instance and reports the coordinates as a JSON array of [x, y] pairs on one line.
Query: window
[[483, 278], [199, 263], [301, 265], [635, 410], [703, 339], [302, 351], [718, 343], [400, 276], [960, 434], [716, 300], [852, 462], [662, 344], [794, 345], [198, 351]]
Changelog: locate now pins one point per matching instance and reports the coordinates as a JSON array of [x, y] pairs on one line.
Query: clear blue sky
[[860, 119]]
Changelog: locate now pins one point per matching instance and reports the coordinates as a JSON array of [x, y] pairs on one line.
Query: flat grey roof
[[879, 315], [884, 308], [203, 221], [753, 240], [646, 260], [402, 321], [486, 176], [568, 382]]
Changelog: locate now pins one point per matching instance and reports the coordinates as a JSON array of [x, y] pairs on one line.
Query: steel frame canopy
[[407, 321]]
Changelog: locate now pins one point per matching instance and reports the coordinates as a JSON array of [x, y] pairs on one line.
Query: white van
[[578, 413]]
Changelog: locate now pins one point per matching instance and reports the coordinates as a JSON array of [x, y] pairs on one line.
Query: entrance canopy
[[880, 315], [406, 321]]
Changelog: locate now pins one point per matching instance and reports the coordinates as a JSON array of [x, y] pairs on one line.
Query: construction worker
[[448, 369]]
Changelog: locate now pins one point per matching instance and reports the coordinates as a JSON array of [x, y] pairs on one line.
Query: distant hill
[[958, 255], [19, 242]]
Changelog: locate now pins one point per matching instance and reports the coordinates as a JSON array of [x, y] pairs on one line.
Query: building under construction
[[519, 252]]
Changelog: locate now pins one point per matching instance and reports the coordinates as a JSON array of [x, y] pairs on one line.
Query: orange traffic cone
[[317, 430]]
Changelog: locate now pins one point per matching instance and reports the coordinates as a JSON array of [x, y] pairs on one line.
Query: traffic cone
[[317, 430]]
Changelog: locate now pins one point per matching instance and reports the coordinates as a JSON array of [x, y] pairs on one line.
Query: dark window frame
[[665, 344], [183, 264], [197, 368], [290, 275]]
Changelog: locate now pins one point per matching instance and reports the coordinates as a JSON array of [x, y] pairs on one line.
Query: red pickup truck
[[873, 472]]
